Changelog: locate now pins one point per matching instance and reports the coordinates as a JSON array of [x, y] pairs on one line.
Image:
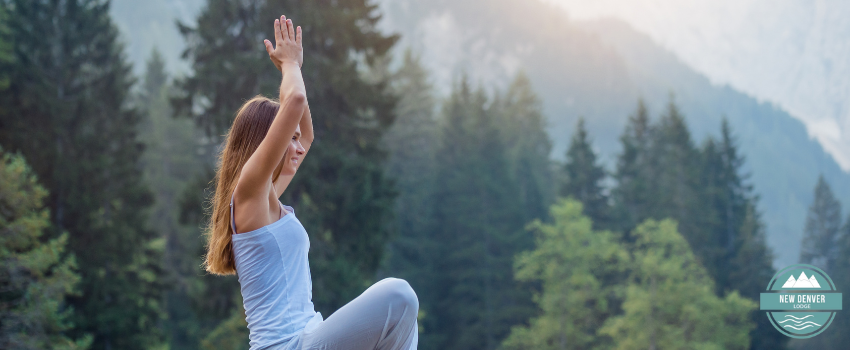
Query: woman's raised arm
[[254, 181], [306, 141]]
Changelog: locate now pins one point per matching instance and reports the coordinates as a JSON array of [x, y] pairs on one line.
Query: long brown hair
[[249, 129]]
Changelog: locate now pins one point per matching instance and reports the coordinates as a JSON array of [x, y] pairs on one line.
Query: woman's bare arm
[[306, 130], [306, 140], [255, 179]]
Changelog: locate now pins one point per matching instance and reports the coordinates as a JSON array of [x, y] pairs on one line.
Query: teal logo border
[[832, 290]]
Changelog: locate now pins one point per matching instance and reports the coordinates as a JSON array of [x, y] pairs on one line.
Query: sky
[[794, 53]]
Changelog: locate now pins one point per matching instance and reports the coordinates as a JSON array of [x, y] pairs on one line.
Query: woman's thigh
[[383, 317]]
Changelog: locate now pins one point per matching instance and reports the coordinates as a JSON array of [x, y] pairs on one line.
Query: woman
[[263, 242]]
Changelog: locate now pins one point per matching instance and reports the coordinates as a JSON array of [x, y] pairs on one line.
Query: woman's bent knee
[[400, 291]]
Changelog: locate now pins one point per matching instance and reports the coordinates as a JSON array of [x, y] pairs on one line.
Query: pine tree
[[170, 158], [751, 263], [478, 226], [411, 145], [657, 173], [5, 53], [633, 195], [676, 160], [582, 272], [820, 238], [69, 115], [658, 176], [36, 275], [584, 176], [345, 199], [739, 258], [836, 336], [522, 124]]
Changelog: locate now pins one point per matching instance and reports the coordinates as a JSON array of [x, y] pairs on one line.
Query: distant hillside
[[795, 53], [598, 70]]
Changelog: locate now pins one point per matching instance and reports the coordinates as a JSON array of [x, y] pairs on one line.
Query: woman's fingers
[[298, 36], [284, 32], [291, 28], [278, 39], [269, 47]]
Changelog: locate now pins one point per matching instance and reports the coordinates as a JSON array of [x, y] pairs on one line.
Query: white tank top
[[275, 280]]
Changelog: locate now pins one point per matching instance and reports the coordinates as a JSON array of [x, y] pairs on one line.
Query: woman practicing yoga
[[255, 236]]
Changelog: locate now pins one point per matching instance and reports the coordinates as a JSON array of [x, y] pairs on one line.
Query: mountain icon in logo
[[801, 282]]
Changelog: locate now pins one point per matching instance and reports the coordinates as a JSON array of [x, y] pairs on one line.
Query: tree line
[[472, 175], [104, 181]]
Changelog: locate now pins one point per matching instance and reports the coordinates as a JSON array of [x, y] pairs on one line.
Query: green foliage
[[575, 265], [820, 238], [583, 177], [230, 334], [667, 297], [68, 113], [670, 301], [35, 274]]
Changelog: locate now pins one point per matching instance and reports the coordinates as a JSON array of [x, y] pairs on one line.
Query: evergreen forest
[[106, 178]]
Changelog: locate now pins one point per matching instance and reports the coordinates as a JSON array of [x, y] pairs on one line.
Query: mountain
[[793, 52], [599, 69]]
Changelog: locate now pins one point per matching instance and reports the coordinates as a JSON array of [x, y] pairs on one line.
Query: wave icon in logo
[[799, 323], [805, 305]]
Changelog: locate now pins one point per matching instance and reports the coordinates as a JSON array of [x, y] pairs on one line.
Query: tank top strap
[[232, 218]]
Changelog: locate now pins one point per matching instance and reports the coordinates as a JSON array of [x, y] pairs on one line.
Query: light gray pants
[[382, 318]]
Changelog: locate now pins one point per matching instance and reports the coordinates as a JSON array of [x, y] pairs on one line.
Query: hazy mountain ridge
[[793, 52]]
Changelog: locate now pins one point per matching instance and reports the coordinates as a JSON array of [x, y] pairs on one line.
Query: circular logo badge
[[801, 301]]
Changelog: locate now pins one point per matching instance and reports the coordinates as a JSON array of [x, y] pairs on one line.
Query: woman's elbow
[[297, 99]]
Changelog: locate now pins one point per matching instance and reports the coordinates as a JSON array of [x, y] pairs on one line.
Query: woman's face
[[293, 155]]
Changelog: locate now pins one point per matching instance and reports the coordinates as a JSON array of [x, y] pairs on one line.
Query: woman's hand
[[287, 49]]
